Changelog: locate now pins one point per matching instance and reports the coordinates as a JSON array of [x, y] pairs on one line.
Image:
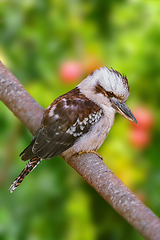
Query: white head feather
[[109, 80]]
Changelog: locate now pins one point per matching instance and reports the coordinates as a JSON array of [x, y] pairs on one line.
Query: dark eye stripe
[[100, 89]]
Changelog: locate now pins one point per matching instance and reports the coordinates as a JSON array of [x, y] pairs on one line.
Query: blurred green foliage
[[36, 37]]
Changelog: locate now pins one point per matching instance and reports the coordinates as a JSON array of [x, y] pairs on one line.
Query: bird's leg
[[32, 163], [92, 151]]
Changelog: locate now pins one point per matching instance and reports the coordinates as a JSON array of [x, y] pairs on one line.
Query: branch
[[18, 100], [89, 166]]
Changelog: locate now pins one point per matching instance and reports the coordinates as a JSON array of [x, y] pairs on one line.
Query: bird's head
[[107, 87]]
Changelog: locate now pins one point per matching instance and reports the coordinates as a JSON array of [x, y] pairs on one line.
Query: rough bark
[[89, 166], [19, 101]]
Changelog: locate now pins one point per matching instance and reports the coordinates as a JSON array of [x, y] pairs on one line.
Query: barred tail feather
[[32, 163]]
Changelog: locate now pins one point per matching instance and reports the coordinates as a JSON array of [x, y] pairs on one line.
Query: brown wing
[[65, 120]]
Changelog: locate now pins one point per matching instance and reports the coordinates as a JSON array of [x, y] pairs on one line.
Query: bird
[[79, 120]]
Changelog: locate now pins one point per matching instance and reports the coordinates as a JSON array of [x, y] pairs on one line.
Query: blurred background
[[50, 46]]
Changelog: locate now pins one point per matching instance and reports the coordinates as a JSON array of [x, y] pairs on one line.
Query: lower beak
[[123, 110]]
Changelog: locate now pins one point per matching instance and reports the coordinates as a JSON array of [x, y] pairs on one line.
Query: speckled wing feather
[[65, 120]]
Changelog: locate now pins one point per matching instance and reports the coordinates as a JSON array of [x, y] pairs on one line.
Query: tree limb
[[89, 166], [19, 101]]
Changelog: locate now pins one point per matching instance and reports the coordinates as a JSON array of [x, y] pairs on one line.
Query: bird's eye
[[110, 94]]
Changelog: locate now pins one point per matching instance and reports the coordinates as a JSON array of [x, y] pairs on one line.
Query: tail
[[32, 163]]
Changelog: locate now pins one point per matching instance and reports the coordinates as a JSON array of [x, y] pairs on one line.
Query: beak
[[123, 110]]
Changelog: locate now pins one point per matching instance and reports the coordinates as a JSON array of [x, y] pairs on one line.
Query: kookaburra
[[80, 120]]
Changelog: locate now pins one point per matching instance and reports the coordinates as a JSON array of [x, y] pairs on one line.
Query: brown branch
[[112, 189], [18, 100], [89, 166]]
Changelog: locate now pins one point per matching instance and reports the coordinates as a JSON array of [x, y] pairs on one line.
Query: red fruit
[[139, 138], [144, 118], [71, 71]]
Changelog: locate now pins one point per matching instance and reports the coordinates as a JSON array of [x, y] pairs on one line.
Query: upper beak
[[123, 110]]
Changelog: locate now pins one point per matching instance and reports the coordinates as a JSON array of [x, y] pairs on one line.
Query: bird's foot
[[91, 151]]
